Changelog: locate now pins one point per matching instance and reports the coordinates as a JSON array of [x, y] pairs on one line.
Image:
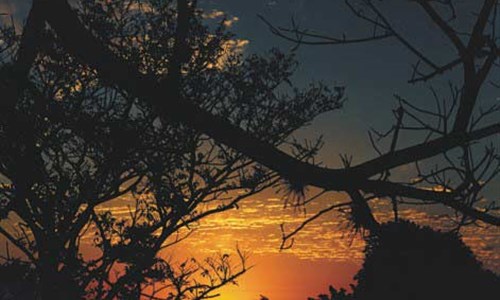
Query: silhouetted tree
[[341, 294], [17, 280], [406, 261], [455, 130], [450, 166], [456, 182], [72, 142], [457, 127]]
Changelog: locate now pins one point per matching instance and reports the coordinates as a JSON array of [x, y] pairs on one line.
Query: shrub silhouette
[[406, 261], [335, 294]]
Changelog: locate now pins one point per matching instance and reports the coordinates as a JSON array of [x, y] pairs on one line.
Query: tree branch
[[443, 25], [78, 40]]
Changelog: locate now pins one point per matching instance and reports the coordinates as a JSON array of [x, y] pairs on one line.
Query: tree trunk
[[53, 284]]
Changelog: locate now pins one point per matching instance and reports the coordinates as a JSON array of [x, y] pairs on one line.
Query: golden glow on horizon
[[255, 227], [324, 253]]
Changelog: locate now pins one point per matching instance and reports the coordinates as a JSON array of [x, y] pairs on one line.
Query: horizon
[[329, 250]]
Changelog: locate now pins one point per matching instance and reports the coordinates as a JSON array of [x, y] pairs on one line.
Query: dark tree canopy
[[458, 118], [109, 98], [407, 261], [72, 142]]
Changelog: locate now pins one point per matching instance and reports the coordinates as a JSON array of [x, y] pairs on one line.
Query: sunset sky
[[325, 252]]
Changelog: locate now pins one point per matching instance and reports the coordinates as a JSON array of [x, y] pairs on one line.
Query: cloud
[[256, 227], [215, 14]]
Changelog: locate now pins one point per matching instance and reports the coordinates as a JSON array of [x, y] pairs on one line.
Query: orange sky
[[324, 253], [285, 277]]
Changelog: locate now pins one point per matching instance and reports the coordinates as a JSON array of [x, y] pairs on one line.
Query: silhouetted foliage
[[17, 280], [453, 125], [403, 260], [335, 294], [112, 98], [406, 261], [70, 143]]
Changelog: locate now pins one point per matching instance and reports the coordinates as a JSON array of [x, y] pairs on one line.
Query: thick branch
[[447, 198], [480, 25], [472, 79], [81, 43], [443, 25], [422, 151], [15, 81]]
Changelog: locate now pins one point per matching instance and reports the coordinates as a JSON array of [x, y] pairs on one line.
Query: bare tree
[[449, 161], [395, 250]]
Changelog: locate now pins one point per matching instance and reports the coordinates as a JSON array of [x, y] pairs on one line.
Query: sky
[[325, 252], [372, 74]]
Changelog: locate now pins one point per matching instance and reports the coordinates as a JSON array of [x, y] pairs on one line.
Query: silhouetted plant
[[335, 294], [157, 70], [17, 280], [71, 143], [403, 260], [454, 124], [406, 261]]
